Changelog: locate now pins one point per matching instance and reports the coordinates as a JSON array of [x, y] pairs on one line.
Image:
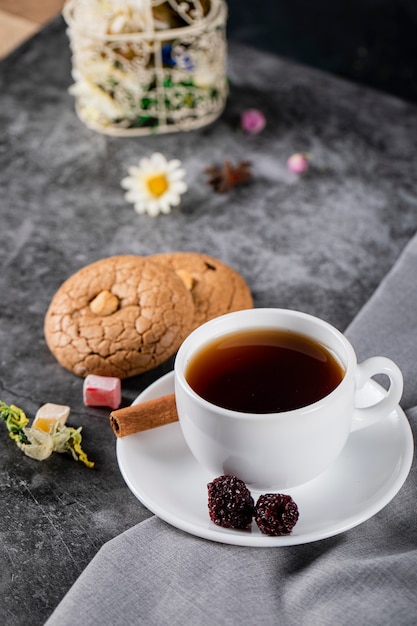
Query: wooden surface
[[20, 19]]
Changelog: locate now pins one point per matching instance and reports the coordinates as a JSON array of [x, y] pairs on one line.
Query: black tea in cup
[[264, 371]]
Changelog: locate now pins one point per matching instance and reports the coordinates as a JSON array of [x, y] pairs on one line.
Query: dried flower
[[252, 121], [298, 163], [156, 185], [39, 444], [106, 17], [95, 103], [224, 178]]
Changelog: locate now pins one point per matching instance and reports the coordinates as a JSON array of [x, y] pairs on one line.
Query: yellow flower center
[[157, 185]]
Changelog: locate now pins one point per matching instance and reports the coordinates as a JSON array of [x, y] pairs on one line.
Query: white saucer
[[161, 472]]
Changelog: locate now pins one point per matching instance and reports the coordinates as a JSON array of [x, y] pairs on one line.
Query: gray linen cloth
[[156, 574]]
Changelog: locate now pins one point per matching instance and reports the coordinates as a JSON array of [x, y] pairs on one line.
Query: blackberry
[[230, 502], [276, 514]]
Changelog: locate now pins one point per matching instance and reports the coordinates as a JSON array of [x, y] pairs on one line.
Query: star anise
[[224, 178]]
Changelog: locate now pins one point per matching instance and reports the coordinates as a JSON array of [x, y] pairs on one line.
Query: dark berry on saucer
[[230, 502], [276, 514]]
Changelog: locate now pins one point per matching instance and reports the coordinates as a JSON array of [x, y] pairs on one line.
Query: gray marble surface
[[320, 243]]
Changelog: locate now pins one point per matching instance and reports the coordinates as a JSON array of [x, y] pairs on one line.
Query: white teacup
[[280, 450]]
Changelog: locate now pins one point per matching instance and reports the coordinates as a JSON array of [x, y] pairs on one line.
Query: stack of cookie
[[124, 315]]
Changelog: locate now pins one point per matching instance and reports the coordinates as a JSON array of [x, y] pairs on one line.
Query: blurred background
[[372, 42]]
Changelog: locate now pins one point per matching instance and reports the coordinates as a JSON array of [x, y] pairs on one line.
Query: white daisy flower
[[156, 185]]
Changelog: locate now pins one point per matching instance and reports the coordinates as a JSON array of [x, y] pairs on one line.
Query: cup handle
[[371, 367]]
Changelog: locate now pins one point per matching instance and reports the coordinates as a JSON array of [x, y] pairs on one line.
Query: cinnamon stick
[[143, 416]]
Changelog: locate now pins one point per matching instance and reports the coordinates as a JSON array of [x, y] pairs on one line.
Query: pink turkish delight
[[102, 391]]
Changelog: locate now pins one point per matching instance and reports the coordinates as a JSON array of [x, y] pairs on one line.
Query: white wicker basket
[[164, 69]]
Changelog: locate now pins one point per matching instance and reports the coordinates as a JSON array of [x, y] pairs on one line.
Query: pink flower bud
[[253, 121], [298, 163]]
